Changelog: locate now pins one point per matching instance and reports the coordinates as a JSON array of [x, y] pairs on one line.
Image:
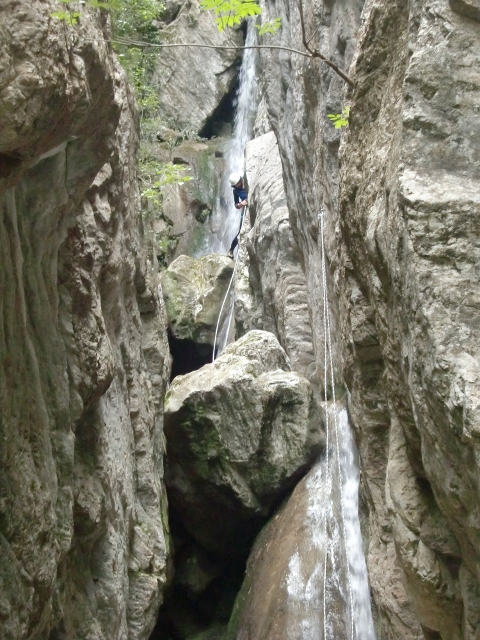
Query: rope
[[228, 289], [327, 429], [328, 341]]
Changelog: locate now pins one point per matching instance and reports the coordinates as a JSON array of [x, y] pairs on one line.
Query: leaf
[[340, 120], [70, 17], [231, 12], [269, 27]]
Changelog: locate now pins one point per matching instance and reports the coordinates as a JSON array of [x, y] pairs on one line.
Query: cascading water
[[225, 218], [320, 603]]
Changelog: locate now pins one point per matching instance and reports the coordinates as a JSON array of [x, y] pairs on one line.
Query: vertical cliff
[[401, 233], [83, 361], [411, 234]]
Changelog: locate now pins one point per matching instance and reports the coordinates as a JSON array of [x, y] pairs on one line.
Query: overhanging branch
[[309, 53]]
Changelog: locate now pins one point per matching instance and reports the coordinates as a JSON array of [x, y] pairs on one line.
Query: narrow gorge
[[280, 446]]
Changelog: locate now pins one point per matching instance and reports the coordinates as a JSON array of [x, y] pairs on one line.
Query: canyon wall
[[84, 533], [84, 358], [401, 215]]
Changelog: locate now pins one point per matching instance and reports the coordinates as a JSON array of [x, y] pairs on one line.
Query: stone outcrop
[[189, 206], [275, 274], [184, 222], [240, 432], [83, 352], [196, 85], [194, 289], [402, 257]]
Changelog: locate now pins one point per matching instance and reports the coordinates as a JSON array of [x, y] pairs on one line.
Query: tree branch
[[306, 54], [314, 53]]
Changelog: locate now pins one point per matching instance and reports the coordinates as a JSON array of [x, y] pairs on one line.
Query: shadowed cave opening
[[220, 123], [187, 355], [204, 587]]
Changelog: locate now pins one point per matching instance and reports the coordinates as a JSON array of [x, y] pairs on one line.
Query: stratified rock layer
[[239, 432], [83, 352]]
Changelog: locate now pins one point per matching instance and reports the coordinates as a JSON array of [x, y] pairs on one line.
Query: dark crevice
[[8, 164], [220, 123], [187, 611], [187, 355]]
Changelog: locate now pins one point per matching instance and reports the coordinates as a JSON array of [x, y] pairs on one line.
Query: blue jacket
[[239, 194]]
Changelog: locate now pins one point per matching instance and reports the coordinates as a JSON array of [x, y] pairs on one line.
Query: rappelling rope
[[328, 343], [327, 429], [228, 289]]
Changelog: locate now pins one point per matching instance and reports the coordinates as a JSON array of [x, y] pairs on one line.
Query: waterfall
[[306, 582], [332, 599], [225, 218], [362, 613]]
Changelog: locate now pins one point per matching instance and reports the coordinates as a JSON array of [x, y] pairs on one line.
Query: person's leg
[[235, 240]]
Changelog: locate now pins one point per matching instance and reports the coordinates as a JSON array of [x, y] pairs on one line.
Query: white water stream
[[305, 576], [225, 218]]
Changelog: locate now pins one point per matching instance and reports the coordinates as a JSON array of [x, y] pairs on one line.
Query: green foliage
[[339, 120], [231, 12], [155, 176], [69, 17], [269, 27], [130, 18]]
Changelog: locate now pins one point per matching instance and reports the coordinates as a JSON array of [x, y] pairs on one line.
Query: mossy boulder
[[194, 289], [240, 433]]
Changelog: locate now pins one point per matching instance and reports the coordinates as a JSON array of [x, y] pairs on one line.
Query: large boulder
[[194, 290], [240, 432]]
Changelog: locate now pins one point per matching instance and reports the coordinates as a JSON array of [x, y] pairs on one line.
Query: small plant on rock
[[339, 120]]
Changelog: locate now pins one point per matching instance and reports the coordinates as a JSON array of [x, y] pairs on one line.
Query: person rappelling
[[240, 199]]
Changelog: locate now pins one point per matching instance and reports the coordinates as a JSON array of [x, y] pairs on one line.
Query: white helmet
[[234, 179]]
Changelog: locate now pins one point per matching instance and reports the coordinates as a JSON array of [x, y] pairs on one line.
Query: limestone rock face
[[193, 81], [411, 235], [403, 278], [274, 261], [239, 433], [83, 352], [194, 289]]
